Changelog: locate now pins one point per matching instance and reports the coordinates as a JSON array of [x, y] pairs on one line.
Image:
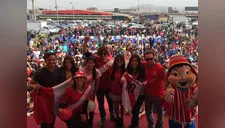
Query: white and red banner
[[47, 101], [106, 66], [130, 91]]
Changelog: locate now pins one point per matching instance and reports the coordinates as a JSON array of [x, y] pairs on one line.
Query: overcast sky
[[108, 4]]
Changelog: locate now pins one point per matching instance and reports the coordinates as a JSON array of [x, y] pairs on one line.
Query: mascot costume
[[181, 87]]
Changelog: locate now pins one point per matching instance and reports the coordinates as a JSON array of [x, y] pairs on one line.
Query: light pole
[[73, 9], [138, 12], [34, 16], [56, 7]]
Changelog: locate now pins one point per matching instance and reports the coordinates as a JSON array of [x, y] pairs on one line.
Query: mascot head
[[180, 73]]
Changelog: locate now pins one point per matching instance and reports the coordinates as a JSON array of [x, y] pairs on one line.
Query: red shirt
[[116, 87], [155, 77], [105, 78], [72, 96]]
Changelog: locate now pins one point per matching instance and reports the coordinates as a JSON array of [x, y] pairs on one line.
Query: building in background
[[75, 15], [92, 8], [191, 9], [171, 10]]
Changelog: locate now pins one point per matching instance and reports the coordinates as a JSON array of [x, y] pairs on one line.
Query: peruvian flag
[[130, 91], [47, 101]]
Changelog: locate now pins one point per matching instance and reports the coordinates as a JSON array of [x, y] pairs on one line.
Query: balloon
[[91, 106], [66, 114]]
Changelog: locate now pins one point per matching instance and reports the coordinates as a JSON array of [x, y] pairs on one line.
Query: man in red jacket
[[155, 74]]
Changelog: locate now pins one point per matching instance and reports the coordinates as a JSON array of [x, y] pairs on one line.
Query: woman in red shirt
[[116, 88], [76, 99]]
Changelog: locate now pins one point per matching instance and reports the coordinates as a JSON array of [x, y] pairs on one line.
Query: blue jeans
[[100, 98], [173, 124]]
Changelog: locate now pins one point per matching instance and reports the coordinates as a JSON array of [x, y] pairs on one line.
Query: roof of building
[[77, 12]]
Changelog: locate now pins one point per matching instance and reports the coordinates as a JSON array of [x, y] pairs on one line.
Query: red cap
[[179, 59], [79, 74]]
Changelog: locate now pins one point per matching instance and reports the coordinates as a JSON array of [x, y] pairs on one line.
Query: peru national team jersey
[[116, 86], [156, 78], [178, 110], [72, 96], [131, 89], [104, 68], [90, 80]]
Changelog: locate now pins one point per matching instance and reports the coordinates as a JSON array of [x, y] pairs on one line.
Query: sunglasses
[[147, 59]]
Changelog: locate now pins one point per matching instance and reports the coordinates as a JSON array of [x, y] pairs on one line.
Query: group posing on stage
[[129, 84]]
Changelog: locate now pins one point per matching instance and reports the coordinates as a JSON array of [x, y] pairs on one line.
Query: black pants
[[75, 122], [150, 102], [136, 110], [101, 107], [45, 125]]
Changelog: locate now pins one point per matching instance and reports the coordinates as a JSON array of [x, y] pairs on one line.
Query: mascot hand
[[169, 96]]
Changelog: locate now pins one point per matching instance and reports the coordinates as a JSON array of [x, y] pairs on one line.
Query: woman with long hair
[[136, 70], [93, 77], [67, 69], [76, 95], [104, 63], [116, 88]]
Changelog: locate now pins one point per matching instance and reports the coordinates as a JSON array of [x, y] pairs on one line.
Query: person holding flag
[[133, 81], [73, 109], [47, 77]]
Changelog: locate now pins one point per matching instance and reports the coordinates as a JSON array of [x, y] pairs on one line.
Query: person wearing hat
[[73, 109], [181, 85]]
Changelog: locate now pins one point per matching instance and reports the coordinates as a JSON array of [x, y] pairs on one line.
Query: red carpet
[[109, 124]]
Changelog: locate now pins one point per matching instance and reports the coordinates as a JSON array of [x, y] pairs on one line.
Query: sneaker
[[133, 127], [90, 124], [113, 118], [121, 123], [102, 122], [117, 123], [142, 114]]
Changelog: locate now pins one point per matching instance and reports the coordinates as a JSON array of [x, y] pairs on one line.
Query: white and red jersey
[[178, 110], [104, 67], [130, 90], [75, 99], [90, 80]]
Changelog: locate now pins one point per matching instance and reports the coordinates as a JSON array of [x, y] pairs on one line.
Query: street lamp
[[138, 13], [73, 9], [34, 15], [56, 7]]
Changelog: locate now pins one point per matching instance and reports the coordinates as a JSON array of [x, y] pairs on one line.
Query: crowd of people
[[101, 57]]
